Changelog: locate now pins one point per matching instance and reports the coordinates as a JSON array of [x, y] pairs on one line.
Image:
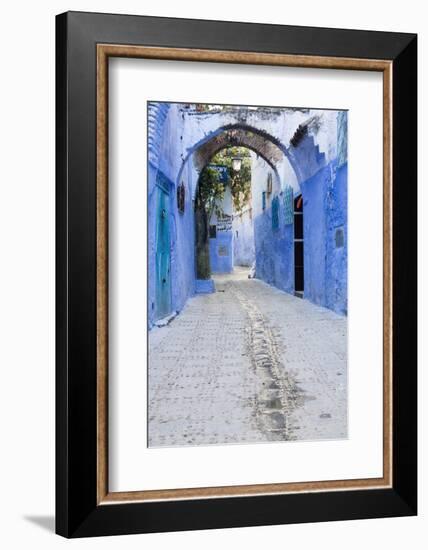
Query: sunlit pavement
[[247, 364]]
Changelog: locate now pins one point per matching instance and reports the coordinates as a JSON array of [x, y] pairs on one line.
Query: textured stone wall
[[314, 235], [337, 242], [325, 237], [201, 130], [273, 245], [325, 227], [166, 128]]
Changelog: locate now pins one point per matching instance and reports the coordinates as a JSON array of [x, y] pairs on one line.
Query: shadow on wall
[[274, 249], [325, 240]]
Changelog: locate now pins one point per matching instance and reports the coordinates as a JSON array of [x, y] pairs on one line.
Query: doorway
[[163, 255], [299, 278]]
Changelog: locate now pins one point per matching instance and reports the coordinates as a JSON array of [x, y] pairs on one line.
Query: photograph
[[247, 274], [213, 257]]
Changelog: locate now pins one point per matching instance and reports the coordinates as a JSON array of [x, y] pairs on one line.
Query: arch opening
[[267, 146], [286, 162], [225, 205]]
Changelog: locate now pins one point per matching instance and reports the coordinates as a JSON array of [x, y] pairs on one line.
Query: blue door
[[163, 263]]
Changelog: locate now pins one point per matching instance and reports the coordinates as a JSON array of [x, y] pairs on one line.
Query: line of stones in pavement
[[274, 405]]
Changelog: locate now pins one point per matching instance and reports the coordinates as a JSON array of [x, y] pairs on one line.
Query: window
[[339, 237]]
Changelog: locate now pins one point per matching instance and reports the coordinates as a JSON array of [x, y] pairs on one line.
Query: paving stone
[[210, 367]]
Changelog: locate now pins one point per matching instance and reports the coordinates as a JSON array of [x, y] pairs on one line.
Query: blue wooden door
[[163, 261]]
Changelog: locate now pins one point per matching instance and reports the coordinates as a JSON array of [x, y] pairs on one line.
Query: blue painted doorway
[[163, 255]]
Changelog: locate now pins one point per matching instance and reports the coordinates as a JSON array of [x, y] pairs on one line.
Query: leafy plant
[[211, 187], [211, 190]]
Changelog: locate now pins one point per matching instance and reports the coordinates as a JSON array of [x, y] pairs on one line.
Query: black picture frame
[[78, 513]]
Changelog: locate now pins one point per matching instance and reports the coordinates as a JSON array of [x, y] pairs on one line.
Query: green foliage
[[211, 189], [240, 182]]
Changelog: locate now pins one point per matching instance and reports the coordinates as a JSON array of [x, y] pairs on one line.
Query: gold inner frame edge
[[104, 52]]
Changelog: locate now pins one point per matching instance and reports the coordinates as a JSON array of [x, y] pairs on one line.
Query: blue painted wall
[[151, 243], [220, 261], [325, 243], [274, 248], [182, 243], [244, 253], [325, 220], [337, 242], [325, 231], [221, 247], [314, 235], [183, 252]]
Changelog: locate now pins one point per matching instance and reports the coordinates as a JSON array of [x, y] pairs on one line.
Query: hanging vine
[[212, 187]]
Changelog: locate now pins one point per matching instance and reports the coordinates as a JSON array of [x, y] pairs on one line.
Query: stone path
[[247, 364]]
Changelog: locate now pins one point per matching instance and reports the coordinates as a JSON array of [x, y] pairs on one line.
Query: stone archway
[[238, 134], [263, 145], [181, 140], [302, 153]]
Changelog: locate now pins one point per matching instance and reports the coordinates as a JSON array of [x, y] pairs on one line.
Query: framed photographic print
[[236, 274]]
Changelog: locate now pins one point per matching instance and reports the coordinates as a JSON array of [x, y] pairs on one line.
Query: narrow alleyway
[[247, 364]]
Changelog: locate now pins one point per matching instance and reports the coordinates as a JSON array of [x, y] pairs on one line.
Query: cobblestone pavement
[[247, 364]]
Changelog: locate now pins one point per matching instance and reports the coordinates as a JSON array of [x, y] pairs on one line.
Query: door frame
[[163, 186]]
